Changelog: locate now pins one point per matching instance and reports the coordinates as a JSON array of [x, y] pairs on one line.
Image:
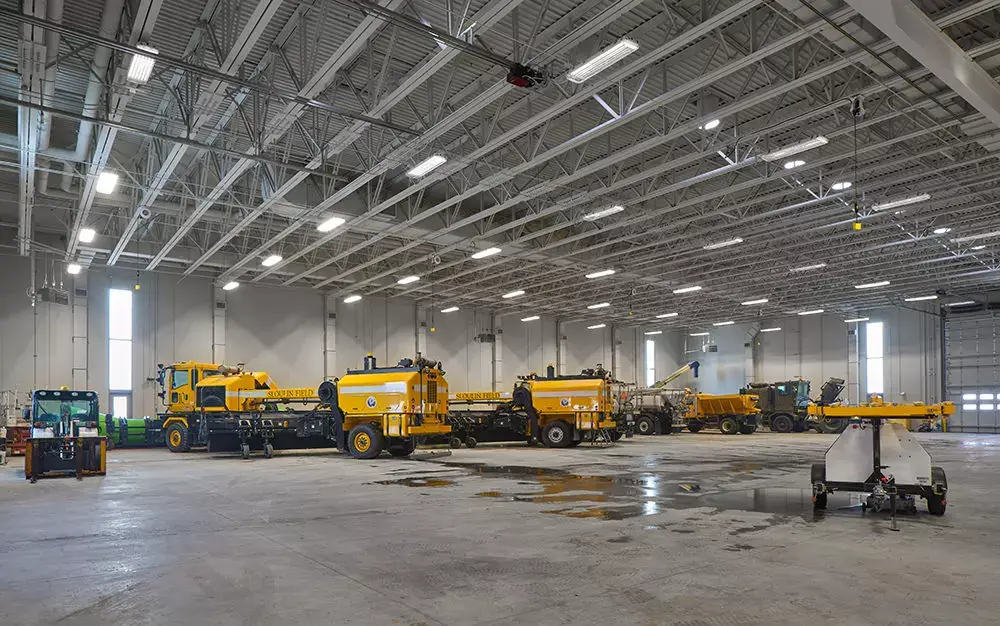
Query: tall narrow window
[[120, 350], [650, 362], [874, 362]]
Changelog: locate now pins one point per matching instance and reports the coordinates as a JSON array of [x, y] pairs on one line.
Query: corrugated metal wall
[[972, 371]]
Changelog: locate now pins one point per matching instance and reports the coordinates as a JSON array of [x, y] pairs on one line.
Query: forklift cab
[[177, 383], [64, 413]]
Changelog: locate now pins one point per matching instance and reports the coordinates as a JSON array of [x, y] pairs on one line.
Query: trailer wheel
[[177, 438], [455, 443], [748, 429], [782, 423], [729, 426], [365, 442], [402, 447], [470, 442], [245, 451], [645, 425], [557, 434], [937, 495], [695, 425], [268, 450]]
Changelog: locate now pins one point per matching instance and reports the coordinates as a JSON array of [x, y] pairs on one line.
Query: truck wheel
[[455, 443], [245, 451], [645, 425], [268, 450], [177, 438], [557, 434], [782, 423], [695, 425], [365, 442], [937, 502], [748, 429], [470, 442], [402, 447], [729, 426]]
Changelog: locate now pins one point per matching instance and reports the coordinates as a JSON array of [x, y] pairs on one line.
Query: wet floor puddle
[[418, 481]]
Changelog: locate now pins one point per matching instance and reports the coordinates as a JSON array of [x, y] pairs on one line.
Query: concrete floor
[[689, 529]]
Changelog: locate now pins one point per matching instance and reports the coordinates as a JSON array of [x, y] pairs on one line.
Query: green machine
[[131, 432]]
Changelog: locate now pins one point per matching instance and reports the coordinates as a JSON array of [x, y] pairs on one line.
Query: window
[[119, 405], [181, 378], [874, 363], [120, 340], [650, 362]]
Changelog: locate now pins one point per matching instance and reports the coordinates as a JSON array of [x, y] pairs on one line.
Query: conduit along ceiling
[[783, 156]]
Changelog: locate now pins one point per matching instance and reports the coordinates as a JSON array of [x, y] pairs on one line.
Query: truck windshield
[[53, 410]]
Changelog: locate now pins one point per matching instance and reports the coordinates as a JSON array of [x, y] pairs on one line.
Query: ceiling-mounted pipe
[[54, 14], [110, 19]]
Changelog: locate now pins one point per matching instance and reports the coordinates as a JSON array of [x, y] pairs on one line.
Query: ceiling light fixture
[[919, 298], [892, 204], [600, 274], [880, 283], [806, 268], [808, 144], [406, 280], [73, 268], [812, 312], [791, 165], [728, 323], [450, 309], [271, 260], [653, 332], [230, 285], [351, 299], [599, 305], [943, 230], [962, 303], [773, 329], [330, 224], [596, 215], [602, 61], [856, 319], [688, 289], [426, 166], [595, 326], [699, 334], [710, 125], [530, 318], [722, 244], [141, 67], [513, 294], [482, 254], [106, 182], [977, 248], [995, 233], [664, 315], [753, 302], [842, 185], [87, 235]]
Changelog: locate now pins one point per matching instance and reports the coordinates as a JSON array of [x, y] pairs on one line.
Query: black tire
[[268, 450], [695, 425], [178, 439], [557, 434], [819, 502], [817, 475], [782, 423], [645, 425], [729, 425], [365, 442], [832, 426], [470, 442], [402, 447], [574, 444], [616, 435], [455, 443], [245, 451], [748, 429], [937, 502], [800, 426]]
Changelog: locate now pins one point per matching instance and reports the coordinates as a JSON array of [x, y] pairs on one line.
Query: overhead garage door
[[972, 371]]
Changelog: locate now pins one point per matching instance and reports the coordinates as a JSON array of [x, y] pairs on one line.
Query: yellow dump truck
[[568, 410], [730, 413], [387, 408]]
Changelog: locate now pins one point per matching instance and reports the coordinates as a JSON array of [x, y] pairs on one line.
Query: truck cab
[[177, 383]]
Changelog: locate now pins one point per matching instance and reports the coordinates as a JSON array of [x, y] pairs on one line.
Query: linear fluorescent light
[[753, 302], [600, 274], [856, 319], [919, 298], [962, 303], [942, 230], [482, 254], [977, 248], [87, 235], [599, 305], [892, 204], [596, 215], [722, 244], [711, 124], [231, 285], [806, 268], [450, 309], [426, 166], [663, 315], [879, 283], [530, 318], [351, 299], [688, 289], [141, 67], [728, 323], [653, 332], [812, 312], [842, 185], [106, 182], [770, 330], [995, 233], [699, 334], [596, 326], [406, 280], [602, 61], [796, 148], [513, 294], [330, 224], [791, 165], [271, 260], [73, 268]]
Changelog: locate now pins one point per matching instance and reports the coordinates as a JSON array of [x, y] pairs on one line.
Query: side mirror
[[26, 414]]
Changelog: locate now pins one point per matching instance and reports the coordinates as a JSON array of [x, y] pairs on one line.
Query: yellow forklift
[[64, 437]]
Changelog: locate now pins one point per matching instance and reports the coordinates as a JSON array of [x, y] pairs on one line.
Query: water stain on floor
[[418, 481]]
